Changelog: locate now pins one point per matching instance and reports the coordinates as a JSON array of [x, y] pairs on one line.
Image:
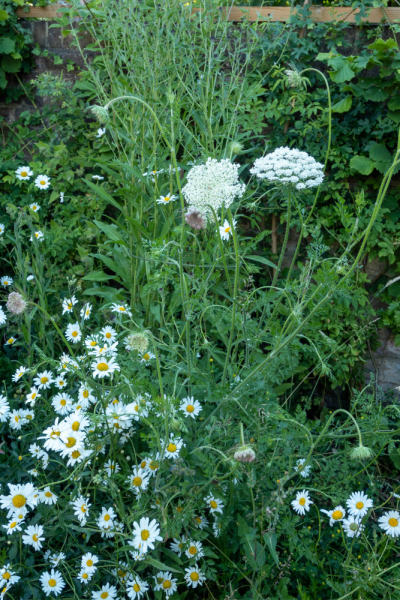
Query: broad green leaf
[[270, 540], [102, 193], [394, 115], [161, 566], [3, 15], [10, 64], [97, 276], [380, 153], [343, 105], [343, 71], [111, 231], [103, 292], [395, 457], [362, 164], [394, 103], [382, 46], [261, 259], [375, 94], [7, 45]]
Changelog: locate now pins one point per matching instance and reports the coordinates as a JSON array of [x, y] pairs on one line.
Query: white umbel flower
[[136, 588], [23, 173], [352, 526], [194, 576], [335, 515], [288, 166], [73, 333], [225, 230], [42, 182], [32, 536], [358, 504], [52, 583], [146, 532], [215, 184], [190, 407], [390, 523], [301, 504]]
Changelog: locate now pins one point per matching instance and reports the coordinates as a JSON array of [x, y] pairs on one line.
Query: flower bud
[[137, 341], [100, 113], [245, 454], [361, 453]]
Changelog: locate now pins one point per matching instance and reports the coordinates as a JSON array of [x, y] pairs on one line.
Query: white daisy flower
[[390, 523], [138, 481], [201, 522], [358, 504], [153, 464], [111, 467], [34, 472], [106, 518], [122, 309], [52, 436], [190, 407], [225, 230], [107, 592], [60, 382], [73, 333], [166, 199], [104, 367], [76, 456], [10, 341], [21, 497], [14, 524], [85, 396], [4, 409], [42, 182], [8, 575], [52, 583], [214, 504], [3, 316], [19, 373], [136, 554], [302, 502], [122, 572], [109, 334], [136, 588], [35, 450], [86, 311], [217, 528], [30, 278], [89, 561], [81, 508], [173, 447], [304, 471], [146, 532], [84, 576], [335, 515], [146, 358], [47, 496], [57, 558], [17, 419], [34, 206], [166, 583], [6, 281], [77, 421], [97, 177], [194, 576], [177, 545], [100, 132], [194, 550], [352, 526], [43, 380], [68, 304], [2, 229], [23, 173], [62, 197], [38, 235], [32, 536], [70, 441]]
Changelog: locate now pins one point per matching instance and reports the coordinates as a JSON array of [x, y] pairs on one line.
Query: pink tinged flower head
[[196, 219], [16, 304]]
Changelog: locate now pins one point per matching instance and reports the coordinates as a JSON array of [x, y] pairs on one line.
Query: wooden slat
[[319, 14]]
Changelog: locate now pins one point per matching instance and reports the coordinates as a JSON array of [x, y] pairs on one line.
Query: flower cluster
[[289, 167], [215, 184]]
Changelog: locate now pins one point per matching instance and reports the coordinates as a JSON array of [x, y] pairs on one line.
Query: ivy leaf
[[343, 105], [7, 45], [362, 164]]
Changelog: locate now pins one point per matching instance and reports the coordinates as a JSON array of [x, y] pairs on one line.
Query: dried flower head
[[245, 454], [294, 79], [16, 304], [236, 147], [195, 219], [100, 113], [137, 341], [215, 184], [288, 166], [361, 453]]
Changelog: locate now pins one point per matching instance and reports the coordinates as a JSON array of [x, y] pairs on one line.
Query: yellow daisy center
[[337, 514], [104, 595], [71, 442], [145, 535], [166, 584], [48, 494], [393, 522], [107, 517], [10, 341], [179, 509], [85, 576], [190, 408], [6, 575], [89, 563], [74, 334], [102, 366], [192, 550], [122, 308], [154, 465], [93, 343], [136, 587], [108, 335], [213, 504], [146, 356], [52, 582], [227, 229], [75, 426], [19, 500], [44, 183], [171, 447], [137, 481], [13, 524], [143, 464], [85, 394], [44, 379], [35, 537], [63, 402], [360, 505], [76, 454], [302, 501], [24, 174], [194, 576]]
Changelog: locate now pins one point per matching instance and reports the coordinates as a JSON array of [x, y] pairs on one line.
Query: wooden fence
[[319, 14]]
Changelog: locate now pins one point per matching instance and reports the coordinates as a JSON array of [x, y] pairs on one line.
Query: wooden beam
[[319, 14]]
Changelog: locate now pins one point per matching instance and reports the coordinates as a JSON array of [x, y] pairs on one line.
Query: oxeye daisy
[[14, 524], [52, 583], [190, 407], [146, 532], [16, 419], [3, 316], [107, 592], [47, 496], [8, 575], [4, 409], [225, 230], [97, 177], [138, 481], [335, 515], [153, 464], [38, 235], [104, 367], [43, 380], [21, 497], [194, 576], [106, 517], [358, 504], [34, 206], [111, 467], [52, 436], [177, 545], [214, 504], [122, 309], [217, 527], [136, 588], [84, 575], [6, 281], [166, 199], [168, 585], [68, 304], [23, 173], [77, 421], [122, 572], [89, 561], [42, 182], [73, 333], [19, 373], [304, 471], [2, 229], [136, 554], [352, 526], [85, 395], [32, 396], [109, 334], [81, 508], [302, 503], [32, 536], [57, 558], [173, 447], [146, 358], [201, 522], [86, 311], [390, 523], [60, 382], [10, 341], [194, 550]]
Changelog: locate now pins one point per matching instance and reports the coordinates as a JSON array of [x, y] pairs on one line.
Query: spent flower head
[[16, 304]]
